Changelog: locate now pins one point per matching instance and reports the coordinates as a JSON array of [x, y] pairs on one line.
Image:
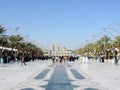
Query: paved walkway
[[43, 75]]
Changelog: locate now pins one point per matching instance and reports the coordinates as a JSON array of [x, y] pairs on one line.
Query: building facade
[[60, 52]]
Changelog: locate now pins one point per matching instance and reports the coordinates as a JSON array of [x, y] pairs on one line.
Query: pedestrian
[[56, 58], [102, 57], [61, 58], [23, 60], [116, 57], [65, 58], [53, 59]]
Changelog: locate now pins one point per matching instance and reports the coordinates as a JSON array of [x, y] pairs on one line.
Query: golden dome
[[64, 49]]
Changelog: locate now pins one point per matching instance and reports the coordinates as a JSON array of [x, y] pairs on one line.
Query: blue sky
[[70, 23]]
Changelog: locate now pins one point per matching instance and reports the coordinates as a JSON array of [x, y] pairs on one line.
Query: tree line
[[17, 45], [104, 45]]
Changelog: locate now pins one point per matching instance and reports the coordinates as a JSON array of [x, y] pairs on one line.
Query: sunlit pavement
[[43, 75]]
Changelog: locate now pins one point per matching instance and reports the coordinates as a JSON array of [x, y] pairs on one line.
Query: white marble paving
[[11, 75], [103, 76], [106, 74]]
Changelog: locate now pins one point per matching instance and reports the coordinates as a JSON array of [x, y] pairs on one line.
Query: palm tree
[[96, 47], [15, 43], [117, 41], [2, 30], [15, 39], [105, 39], [2, 39]]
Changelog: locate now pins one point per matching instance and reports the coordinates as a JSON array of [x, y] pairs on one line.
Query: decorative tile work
[[91, 89], [59, 80], [27, 89], [42, 74], [77, 74]]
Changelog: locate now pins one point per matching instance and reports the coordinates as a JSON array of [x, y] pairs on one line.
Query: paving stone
[[59, 80], [27, 89], [77, 74], [91, 89], [42, 74]]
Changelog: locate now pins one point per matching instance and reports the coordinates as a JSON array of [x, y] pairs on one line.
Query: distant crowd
[[63, 58]]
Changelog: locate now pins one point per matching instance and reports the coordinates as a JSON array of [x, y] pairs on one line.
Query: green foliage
[[105, 39], [117, 38], [2, 29]]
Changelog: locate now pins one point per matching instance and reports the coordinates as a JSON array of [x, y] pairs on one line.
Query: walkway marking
[[91, 89], [27, 89], [77, 74], [59, 80], [42, 74]]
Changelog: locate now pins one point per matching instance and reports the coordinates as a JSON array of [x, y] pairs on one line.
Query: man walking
[[23, 60]]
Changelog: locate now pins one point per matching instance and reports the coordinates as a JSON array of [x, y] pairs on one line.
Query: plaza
[[44, 75], [60, 45]]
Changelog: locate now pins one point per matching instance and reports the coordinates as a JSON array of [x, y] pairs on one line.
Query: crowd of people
[[11, 56], [23, 57], [101, 57], [63, 58]]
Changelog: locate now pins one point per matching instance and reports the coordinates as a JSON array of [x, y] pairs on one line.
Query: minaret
[[58, 47], [53, 47]]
